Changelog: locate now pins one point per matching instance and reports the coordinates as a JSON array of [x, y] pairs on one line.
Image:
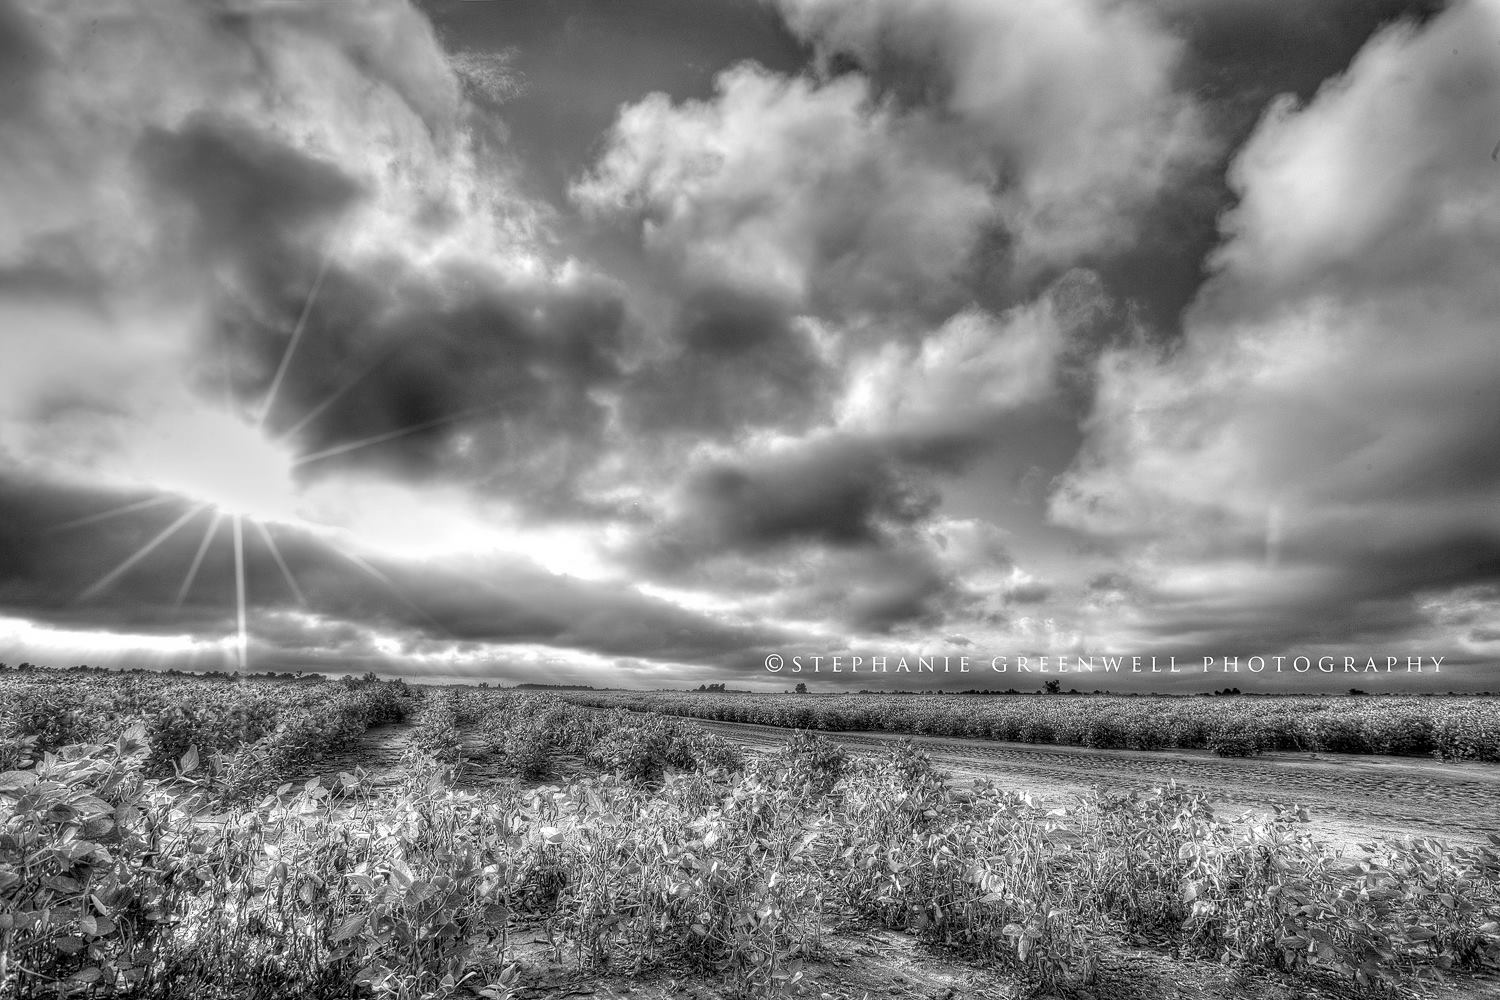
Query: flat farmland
[[1350, 798], [168, 837], [1364, 767]]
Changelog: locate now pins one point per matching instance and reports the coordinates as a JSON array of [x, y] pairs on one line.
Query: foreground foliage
[[119, 879]]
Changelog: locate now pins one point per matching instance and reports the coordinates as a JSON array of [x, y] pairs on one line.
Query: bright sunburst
[[222, 462], [235, 473]]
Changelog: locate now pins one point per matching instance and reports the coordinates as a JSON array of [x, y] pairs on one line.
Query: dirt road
[[1351, 798]]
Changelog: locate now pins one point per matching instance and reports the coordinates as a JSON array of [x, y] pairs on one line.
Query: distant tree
[[1355, 692], [1052, 686], [802, 687]]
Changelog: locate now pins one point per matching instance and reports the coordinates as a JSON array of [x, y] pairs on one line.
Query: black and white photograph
[[724, 499]]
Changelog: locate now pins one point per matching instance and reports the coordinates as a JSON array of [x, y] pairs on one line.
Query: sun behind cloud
[[218, 459]]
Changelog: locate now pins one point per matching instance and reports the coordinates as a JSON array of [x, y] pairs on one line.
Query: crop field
[[179, 837], [1452, 728]]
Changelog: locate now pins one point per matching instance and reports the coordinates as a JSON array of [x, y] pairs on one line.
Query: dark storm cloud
[[1193, 629], [517, 604], [49, 561], [1401, 567], [877, 592], [251, 194], [453, 371], [22, 57], [248, 153], [57, 269], [1330, 594], [838, 530], [839, 493], [1110, 583], [1244, 52], [459, 375], [733, 361], [1029, 593]]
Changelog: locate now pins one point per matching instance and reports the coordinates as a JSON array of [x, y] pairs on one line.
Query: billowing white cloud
[[791, 189], [1388, 166], [921, 217], [1055, 125], [975, 367], [1323, 439]]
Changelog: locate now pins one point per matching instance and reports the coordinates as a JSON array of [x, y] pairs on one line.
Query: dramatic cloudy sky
[[627, 343]]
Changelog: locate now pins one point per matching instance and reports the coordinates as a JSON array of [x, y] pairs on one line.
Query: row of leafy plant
[[254, 732], [987, 871], [1453, 728], [526, 733], [116, 883]]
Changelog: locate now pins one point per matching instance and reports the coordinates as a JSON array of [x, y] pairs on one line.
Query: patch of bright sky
[[212, 457], [19, 634], [428, 521]]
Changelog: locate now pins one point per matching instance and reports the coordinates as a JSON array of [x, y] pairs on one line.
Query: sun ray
[[192, 573], [231, 405], [286, 572], [119, 511], [145, 550], [341, 391], [391, 586], [239, 588], [381, 438], [291, 347], [333, 397]]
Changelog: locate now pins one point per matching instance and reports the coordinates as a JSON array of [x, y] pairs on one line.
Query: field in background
[[1453, 728], [165, 837]]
